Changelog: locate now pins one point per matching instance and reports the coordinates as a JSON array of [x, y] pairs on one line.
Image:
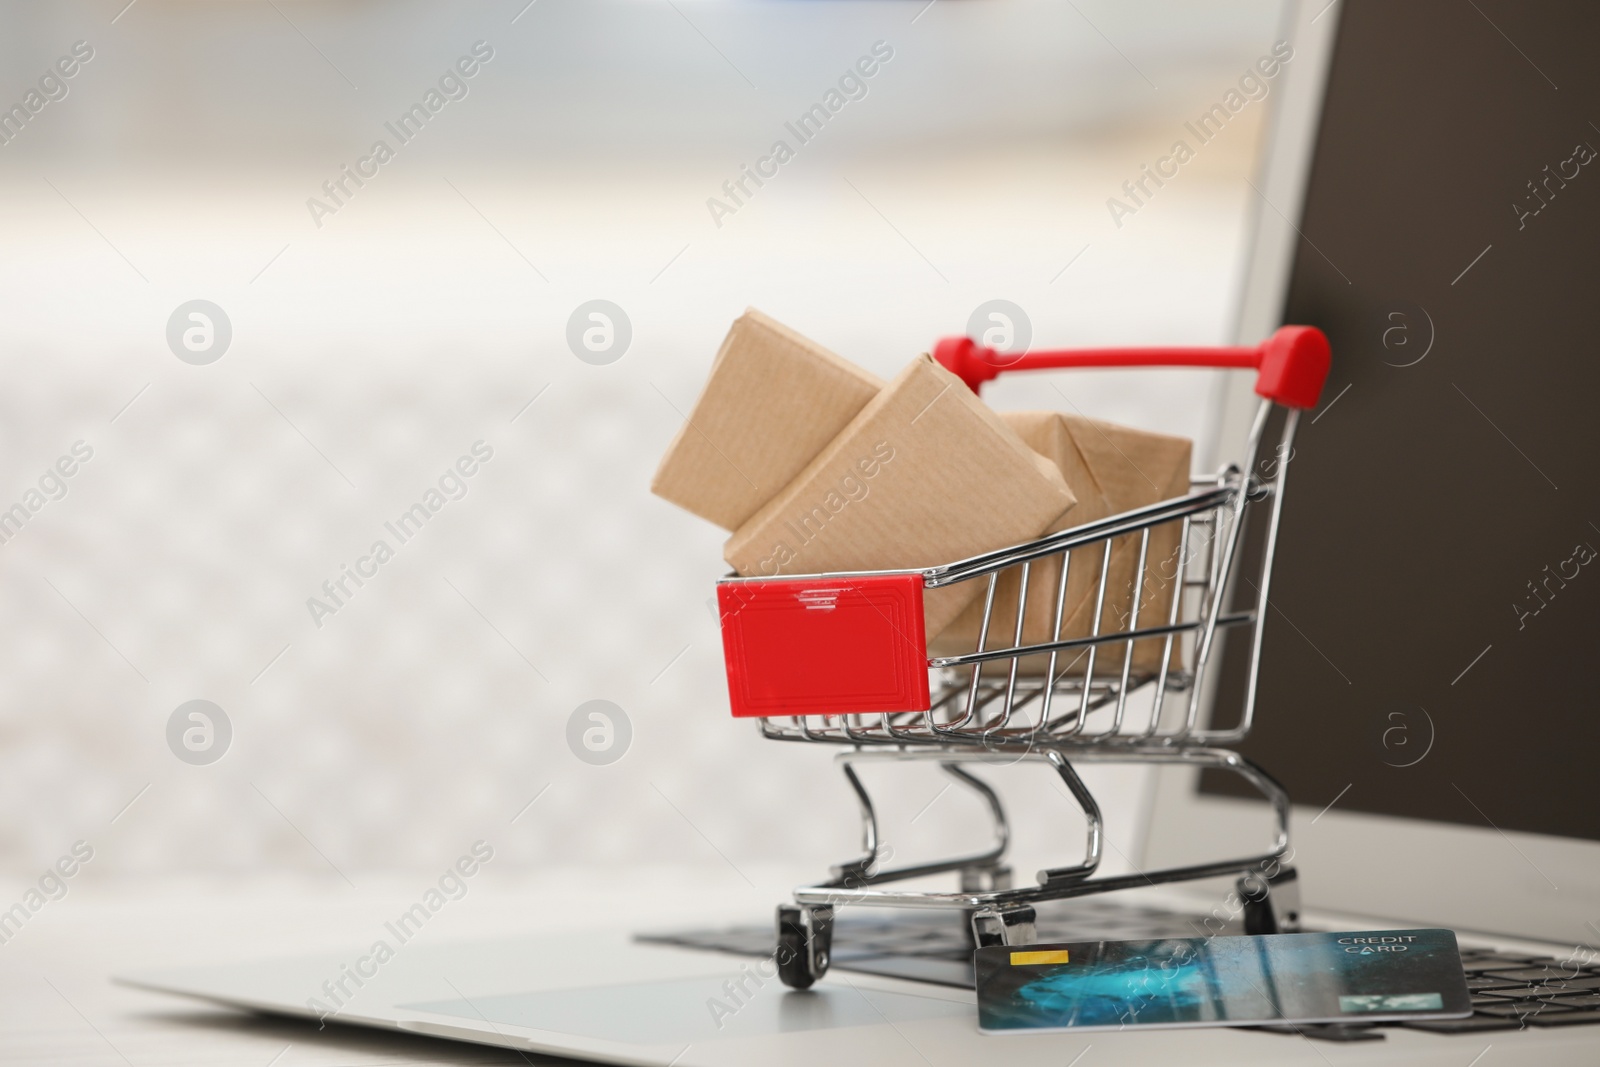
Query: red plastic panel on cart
[[824, 647]]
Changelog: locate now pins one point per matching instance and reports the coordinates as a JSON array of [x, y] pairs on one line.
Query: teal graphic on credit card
[[1393, 1002], [1221, 981]]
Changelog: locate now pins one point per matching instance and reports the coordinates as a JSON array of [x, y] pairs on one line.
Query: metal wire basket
[[841, 659]]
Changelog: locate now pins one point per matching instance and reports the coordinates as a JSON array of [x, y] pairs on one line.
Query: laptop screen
[[1432, 643]]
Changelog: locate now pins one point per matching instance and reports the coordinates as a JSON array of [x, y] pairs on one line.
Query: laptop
[[1427, 197]]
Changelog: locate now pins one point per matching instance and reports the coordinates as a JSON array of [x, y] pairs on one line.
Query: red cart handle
[[1292, 364]]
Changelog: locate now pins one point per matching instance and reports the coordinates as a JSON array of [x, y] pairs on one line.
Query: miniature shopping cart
[[842, 659]]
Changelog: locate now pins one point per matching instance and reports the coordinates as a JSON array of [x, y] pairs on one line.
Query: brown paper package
[[772, 402], [1110, 469], [925, 474]]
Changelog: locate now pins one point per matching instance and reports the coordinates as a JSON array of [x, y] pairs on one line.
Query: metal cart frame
[[1073, 713]]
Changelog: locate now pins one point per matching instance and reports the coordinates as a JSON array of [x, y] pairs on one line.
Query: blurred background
[[374, 340]]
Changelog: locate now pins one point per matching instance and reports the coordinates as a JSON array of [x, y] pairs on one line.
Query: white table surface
[[58, 1004]]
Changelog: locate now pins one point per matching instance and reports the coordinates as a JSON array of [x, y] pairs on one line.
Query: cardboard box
[[925, 474], [1110, 469], [773, 401]]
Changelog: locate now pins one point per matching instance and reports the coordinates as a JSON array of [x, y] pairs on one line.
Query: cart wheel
[[805, 944], [792, 960], [1010, 925], [1271, 904]]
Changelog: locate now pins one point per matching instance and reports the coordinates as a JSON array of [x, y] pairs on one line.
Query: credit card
[[1357, 976]]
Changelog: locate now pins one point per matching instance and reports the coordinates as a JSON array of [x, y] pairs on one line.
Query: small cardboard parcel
[[817, 465], [1111, 469]]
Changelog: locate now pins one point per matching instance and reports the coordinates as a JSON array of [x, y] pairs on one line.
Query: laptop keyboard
[[934, 946], [1510, 991]]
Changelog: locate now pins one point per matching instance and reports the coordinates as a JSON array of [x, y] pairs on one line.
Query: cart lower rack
[[842, 659]]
